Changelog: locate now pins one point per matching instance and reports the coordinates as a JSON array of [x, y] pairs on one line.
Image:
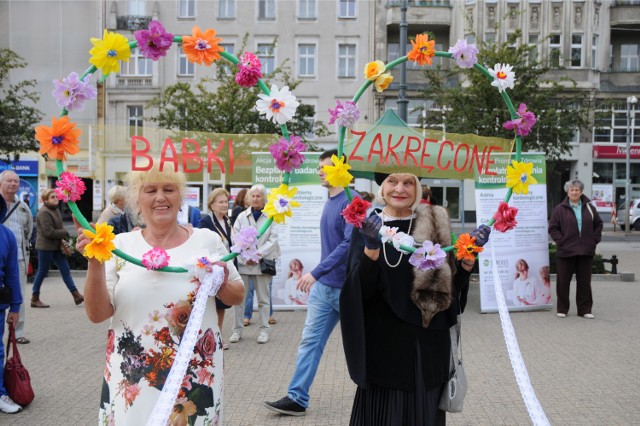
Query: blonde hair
[[214, 194], [116, 193], [545, 273], [46, 193], [138, 179]]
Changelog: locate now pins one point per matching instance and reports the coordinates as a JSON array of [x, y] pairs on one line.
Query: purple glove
[[481, 235], [370, 231]]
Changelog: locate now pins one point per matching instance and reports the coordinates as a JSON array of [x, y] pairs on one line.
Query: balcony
[[625, 14], [435, 13], [133, 23], [137, 82]]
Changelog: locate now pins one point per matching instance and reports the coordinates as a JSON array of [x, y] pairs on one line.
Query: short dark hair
[[328, 154]]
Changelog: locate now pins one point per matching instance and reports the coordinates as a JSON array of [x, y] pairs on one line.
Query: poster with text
[[602, 197], [521, 254]]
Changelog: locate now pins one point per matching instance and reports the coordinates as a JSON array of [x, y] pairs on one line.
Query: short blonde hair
[[138, 179], [46, 194], [214, 194], [116, 193]]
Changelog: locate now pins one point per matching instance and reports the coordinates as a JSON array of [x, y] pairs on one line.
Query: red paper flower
[[505, 217], [356, 212]]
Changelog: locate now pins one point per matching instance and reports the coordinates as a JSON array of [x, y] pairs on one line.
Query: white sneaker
[[561, 315], [235, 337], [8, 406], [263, 337], [588, 316]]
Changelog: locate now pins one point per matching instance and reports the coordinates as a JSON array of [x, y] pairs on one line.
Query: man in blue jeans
[[324, 284]]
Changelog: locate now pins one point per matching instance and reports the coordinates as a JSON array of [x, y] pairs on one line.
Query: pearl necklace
[[384, 249]]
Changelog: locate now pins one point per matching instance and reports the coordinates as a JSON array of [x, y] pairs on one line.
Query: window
[[346, 8], [138, 65], [134, 115], [533, 43], [310, 119], [136, 7], [266, 54], [186, 8], [554, 50], [629, 57], [594, 52], [306, 60], [226, 65], [346, 60], [226, 9], [267, 9], [576, 50], [610, 124], [185, 68], [307, 9]]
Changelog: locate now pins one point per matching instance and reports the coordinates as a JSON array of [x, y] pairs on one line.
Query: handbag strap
[[11, 342], [12, 210]]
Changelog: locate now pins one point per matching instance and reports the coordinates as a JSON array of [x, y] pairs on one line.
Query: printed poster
[[602, 197]]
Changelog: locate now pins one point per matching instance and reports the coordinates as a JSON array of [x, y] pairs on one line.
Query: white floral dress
[[151, 311]]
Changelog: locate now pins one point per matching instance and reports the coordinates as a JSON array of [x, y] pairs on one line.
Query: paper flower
[[279, 106], [383, 82], [387, 233], [338, 175], [524, 124], [246, 243], [71, 92], [402, 239], [249, 70], [287, 153], [202, 266], [69, 187], [423, 50], [155, 258], [356, 212], [467, 248], [373, 70], [345, 114], [505, 217], [427, 257], [58, 140], [202, 47], [503, 76], [519, 177], [107, 53], [154, 42], [464, 54], [279, 203], [101, 244]]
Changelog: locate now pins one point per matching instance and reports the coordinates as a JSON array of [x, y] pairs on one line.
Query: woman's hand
[[370, 232], [225, 268], [82, 240], [481, 234]]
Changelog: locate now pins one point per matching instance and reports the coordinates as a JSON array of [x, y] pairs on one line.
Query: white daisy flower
[[279, 106], [503, 76]]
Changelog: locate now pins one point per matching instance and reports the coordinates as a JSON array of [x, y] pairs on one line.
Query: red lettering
[[478, 162], [457, 156], [213, 156], [231, 157], [377, 140], [442, 145], [142, 153], [490, 161], [353, 156], [168, 144], [408, 151], [390, 149], [425, 154], [190, 156]]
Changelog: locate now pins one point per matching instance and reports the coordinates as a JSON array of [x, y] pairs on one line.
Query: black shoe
[[286, 406]]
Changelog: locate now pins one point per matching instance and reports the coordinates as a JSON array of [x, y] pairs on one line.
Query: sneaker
[[286, 406], [588, 316], [235, 337], [263, 337], [561, 315], [8, 406]]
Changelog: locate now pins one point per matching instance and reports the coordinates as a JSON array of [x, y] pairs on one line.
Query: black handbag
[[268, 267]]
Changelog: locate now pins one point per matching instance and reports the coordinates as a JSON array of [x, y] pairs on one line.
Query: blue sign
[[22, 168], [27, 193]]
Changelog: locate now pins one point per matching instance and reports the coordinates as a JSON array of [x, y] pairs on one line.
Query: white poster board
[[602, 197]]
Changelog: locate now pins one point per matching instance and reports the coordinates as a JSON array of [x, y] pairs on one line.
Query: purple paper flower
[[287, 153], [246, 244], [249, 70], [71, 92], [524, 124], [464, 54], [345, 114], [427, 257], [154, 42]]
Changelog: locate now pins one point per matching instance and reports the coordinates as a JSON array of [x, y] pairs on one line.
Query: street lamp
[[631, 101]]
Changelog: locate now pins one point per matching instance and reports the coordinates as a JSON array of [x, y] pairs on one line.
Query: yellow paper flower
[[279, 203], [107, 53], [338, 175], [519, 177], [373, 70], [383, 82], [101, 244]]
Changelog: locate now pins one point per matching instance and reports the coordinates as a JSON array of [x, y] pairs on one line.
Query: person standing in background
[[239, 205], [117, 200], [20, 222]]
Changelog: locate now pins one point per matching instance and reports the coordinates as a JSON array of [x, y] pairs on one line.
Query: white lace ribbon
[[209, 286], [536, 413]]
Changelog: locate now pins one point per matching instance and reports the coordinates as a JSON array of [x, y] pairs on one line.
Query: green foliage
[[17, 116], [476, 107]]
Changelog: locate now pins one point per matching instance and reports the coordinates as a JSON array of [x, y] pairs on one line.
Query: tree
[[17, 116], [476, 107]]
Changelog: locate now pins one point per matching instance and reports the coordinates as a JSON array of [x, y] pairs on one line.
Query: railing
[[419, 3], [133, 23], [625, 3], [136, 82]]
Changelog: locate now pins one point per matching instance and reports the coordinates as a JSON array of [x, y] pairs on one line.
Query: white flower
[[503, 76], [403, 239], [279, 106], [387, 233]]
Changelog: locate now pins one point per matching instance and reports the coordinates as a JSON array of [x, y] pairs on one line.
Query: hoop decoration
[[202, 47], [518, 174]]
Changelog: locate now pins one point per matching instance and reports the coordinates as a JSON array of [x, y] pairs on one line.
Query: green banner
[[496, 177]]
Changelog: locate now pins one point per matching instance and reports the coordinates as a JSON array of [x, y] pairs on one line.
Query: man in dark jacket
[[576, 228]]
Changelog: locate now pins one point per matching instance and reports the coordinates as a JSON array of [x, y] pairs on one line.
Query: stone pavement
[[584, 372]]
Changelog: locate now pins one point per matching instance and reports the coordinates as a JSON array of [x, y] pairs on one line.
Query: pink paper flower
[[345, 114], [524, 124], [505, 217], [429, 256], [464, 54], [154, 42], [71, 92], [246, 243], [155, 258], [249, 70], [69, 187], [356, 212], [287, 153]]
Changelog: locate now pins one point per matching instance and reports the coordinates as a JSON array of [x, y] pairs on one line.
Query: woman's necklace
[[384, 248]]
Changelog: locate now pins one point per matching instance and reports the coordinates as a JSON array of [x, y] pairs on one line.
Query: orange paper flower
[[423, 50], [58, 140], [202, 47], [101, 244], [467, 248]]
